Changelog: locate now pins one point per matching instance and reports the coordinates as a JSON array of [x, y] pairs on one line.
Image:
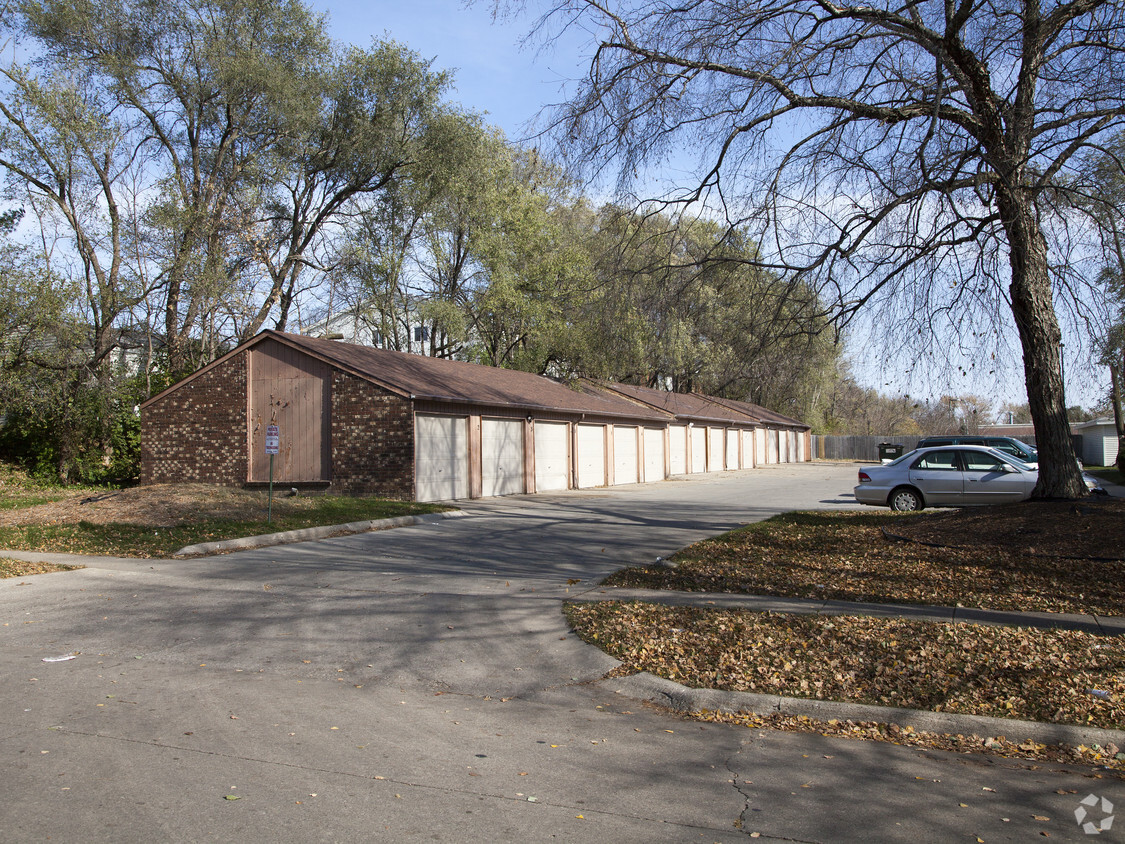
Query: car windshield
[[898, 460], [1022, 462]]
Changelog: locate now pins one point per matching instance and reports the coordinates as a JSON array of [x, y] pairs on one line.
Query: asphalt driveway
[[422, 683]]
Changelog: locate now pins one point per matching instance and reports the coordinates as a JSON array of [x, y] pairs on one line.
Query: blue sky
[[492, 73], [511, 83]]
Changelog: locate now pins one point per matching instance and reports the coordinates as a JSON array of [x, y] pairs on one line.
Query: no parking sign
[[273, 439]]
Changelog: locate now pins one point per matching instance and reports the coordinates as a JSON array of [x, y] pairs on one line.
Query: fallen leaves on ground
[[1008, 672], [845, 555], [909, 737], [21, 568]]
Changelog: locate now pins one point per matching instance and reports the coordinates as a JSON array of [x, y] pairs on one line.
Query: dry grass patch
[[157, 520]]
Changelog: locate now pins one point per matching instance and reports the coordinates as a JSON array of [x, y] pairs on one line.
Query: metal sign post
[[273, 441]]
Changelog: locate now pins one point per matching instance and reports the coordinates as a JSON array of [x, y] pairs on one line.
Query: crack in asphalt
[[582, 808]]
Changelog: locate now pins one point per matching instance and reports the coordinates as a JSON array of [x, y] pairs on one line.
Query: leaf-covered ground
[[1001, 559], [1030, 674], [21, 568]]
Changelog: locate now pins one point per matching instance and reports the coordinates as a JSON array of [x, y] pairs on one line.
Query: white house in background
[[1099, 441], [363, 326]]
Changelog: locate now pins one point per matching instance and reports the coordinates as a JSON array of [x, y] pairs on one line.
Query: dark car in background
[[1007, 445]]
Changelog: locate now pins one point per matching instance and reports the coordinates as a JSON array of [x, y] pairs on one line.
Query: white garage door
[[771, 449], [732, 448], [654, 454], [590, 450], [624, 454], [552, 469], [792, 446], [677, 449], [698, 450], [760, 436], [747, 449], [441, 457], [501, 450], [801, 458], [715, 449]]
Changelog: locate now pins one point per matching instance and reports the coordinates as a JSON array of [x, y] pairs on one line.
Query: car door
[[989, 479], [938, 475]]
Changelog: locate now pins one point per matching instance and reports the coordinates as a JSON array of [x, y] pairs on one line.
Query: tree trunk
[[1115, 389], [1034, 310]]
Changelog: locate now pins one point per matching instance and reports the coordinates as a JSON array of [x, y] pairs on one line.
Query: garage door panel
[[654, 454], [747, 449], [677, 449], [715, 449], [501, 457], [698, 450], [732, 448], [552, 466], [441, 457], [624, 454], [590, 448]]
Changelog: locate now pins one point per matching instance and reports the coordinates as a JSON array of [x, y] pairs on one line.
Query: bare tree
[[923, 146]]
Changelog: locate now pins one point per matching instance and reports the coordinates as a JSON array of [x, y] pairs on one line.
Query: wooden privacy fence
[[856, 447]]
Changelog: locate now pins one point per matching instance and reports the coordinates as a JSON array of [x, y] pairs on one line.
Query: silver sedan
[[949, 476]]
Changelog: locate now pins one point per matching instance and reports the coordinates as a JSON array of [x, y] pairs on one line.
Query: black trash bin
[[890, 451]]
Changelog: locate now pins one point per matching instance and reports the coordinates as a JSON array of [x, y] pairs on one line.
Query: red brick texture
[[197, 432], [372, 439]]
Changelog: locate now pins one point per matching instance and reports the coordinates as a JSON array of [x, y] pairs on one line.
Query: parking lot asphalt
[[422, 683]]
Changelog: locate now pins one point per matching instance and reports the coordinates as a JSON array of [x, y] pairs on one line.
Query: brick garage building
[[366, 420]]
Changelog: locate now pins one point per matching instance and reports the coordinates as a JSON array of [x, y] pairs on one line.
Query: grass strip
[[132, 540], [1057, 676], [845, 556]]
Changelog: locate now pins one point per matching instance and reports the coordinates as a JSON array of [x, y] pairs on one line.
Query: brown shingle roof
[[437, 379], [766, 415], [701, 408], [690, 407]]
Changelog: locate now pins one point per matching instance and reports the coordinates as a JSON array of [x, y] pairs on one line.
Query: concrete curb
[[305, 534], [645, 686]]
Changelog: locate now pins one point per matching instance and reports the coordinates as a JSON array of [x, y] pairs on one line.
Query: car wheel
[[906, 500]]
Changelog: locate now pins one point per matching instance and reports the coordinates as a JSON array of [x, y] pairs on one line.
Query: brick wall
[[197, 432], [372, 439]]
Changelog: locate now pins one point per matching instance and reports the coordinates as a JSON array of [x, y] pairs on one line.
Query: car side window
[[940, 460], [980, 461]]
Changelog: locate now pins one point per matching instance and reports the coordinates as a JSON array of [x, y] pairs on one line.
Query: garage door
[[590, 453], [441, 457], [801, 457], [771, 449], [715, 449], [698, 450], [732, 448], [747, 449], [677, 449], [624, 454], [552, 468], [760, 436], [654, 454], [501, 448]]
